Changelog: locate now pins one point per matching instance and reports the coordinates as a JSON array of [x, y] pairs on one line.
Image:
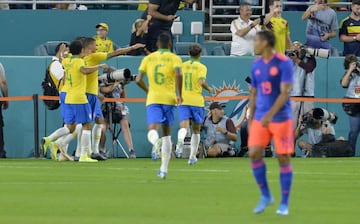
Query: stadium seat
[[227, 48], [218, 51], [182, 48], [47, 48]]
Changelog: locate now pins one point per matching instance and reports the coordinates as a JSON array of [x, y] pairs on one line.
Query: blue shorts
[[77, 113], [196, 114], [94, 106], [160, 114]]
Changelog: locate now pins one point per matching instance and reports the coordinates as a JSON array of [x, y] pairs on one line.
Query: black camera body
[[301, 53], [316, 114]]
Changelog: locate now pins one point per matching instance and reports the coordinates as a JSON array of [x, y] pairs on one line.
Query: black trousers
[[153, 34]]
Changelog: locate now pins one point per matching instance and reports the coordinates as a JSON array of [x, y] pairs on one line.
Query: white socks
[[85, 142], [181, 135], [152, 136], [78, 131], [58, 133], [165, 153], [194, 145], [95, 138]]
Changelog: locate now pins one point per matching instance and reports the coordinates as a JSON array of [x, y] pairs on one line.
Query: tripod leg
[[122, 148]]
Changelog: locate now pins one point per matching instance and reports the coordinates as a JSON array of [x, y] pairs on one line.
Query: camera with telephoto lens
[[121, 75], [316, 114], [303, 51]]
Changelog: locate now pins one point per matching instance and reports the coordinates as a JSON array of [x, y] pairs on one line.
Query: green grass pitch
[[213, 191]]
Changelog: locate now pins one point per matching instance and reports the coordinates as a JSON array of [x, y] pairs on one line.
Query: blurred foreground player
[[163, 70], [271, 118]]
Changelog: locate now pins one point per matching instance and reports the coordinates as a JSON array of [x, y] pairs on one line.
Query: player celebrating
[[193, 105], [271, 117], [76, 108], [163, 70], [93, 58]]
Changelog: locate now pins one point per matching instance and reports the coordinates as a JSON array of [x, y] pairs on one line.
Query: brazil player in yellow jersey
[[76, 109], [163, 71], [278, 25], [93, 58], [192, 107]]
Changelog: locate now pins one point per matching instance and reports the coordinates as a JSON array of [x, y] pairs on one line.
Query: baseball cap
[[216, 105], [102, 25]]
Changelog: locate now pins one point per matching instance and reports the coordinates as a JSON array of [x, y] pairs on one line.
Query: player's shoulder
[[281, 57]]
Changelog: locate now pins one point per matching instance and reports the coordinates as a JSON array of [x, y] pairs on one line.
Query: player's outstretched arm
[[140, 82], [87, 70], [122, 51]]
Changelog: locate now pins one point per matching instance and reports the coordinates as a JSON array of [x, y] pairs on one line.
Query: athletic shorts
[[160, 114], [77, 113], [94, 106], [282, 134], [196, 114]]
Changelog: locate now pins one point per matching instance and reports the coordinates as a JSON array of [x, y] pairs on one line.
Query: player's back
[[193, 71], [160, 69], [92, 78], [267, 77], [75, 82]]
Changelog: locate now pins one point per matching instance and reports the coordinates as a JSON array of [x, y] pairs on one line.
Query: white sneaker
[[179, 150], [156, 150]]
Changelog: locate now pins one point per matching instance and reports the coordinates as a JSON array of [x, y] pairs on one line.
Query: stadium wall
[[23, 30], [227, 74]]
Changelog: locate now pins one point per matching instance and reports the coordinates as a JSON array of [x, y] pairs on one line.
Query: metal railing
[[34, 3]]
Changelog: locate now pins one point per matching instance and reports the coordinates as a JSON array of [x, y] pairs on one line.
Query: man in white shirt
[[243, 32], [56, 69]]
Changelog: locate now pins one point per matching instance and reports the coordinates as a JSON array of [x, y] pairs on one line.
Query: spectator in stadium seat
[[350, 30], [243, 32], [163, 15], [138, 36], [220, 132], [3, 105], [274, 22], [321, 26], [351, 81], [103, 43]]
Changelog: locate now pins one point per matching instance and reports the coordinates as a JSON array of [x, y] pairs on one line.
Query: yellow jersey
[[105, 46], [193, 71], [281, 30], [92, 85], [75, 81], [160, 69]]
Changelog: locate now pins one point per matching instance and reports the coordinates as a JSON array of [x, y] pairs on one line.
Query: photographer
[[120, 113], [318, 128], [304, 81], [351, 81]]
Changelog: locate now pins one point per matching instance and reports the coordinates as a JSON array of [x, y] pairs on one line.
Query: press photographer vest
[[211, 133], [353, 91]]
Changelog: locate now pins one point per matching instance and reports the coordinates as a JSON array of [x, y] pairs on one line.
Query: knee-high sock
[[95, 138], [259, 171], [286, 176], [64, 141], [59, 133], [181, 135], [60, 140], [85, 142], [165, 153], [194, 144], [78, 131], [153, 136]]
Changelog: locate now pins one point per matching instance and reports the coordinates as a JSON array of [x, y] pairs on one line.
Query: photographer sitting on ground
[[220, 132], [120, 113], [318, 125], [351, 81], [304, 65]]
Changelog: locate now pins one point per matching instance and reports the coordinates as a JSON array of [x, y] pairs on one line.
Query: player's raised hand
[[266, 120], [104, 66], [138, 45]]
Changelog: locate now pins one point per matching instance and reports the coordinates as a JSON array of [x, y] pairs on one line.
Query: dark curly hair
[[349, 59]]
